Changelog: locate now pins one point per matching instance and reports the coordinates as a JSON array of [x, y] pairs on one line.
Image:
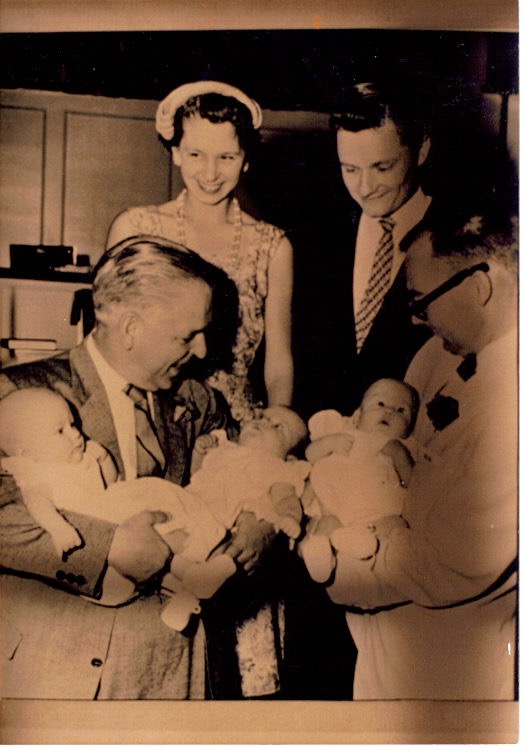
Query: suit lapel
[[393, 303], [93, 404]]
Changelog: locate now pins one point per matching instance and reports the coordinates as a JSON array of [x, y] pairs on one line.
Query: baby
[[361, 467], [55, 466], [256, 474], [48, 455]]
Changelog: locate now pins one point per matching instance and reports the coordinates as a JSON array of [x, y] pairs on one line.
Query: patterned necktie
[[377, 285], [149, 457]]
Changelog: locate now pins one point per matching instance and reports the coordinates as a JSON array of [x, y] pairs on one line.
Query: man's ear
[[483, 287], [424, 151], [175, 155], [127, 325]]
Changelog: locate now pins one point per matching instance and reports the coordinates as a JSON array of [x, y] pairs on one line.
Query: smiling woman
[[211, 130]]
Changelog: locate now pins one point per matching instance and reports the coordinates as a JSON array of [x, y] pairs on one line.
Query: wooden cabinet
[[22, 140], [71, 163]]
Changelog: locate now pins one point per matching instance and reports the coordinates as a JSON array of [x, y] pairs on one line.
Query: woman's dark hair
[[218, 108]]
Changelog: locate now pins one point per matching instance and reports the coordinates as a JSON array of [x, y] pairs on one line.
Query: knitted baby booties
[[319, 557]]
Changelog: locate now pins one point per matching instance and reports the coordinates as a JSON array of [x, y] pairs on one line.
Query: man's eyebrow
[[386, 161]]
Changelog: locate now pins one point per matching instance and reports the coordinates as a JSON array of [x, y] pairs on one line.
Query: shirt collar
[[406, 217], [410, 214], [112, 380], [501, 351]]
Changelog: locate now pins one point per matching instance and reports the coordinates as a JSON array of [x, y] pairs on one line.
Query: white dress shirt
[[122, 407], [369, 234]]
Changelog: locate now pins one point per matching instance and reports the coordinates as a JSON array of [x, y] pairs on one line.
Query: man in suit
[[352, 324], [152, 302], [352, 320]]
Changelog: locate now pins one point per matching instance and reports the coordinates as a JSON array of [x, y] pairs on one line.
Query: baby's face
[[49, 435], [277, 431], [387, 407]]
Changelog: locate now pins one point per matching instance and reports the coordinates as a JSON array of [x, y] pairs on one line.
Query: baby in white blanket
[[361, 466]]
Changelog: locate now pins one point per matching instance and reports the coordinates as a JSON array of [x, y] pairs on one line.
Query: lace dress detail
[[248, 268]]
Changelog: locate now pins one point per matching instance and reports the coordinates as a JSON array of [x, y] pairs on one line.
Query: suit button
[[61, 575], [96, 662]]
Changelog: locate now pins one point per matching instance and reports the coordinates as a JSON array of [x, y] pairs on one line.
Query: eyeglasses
[[417, 308]]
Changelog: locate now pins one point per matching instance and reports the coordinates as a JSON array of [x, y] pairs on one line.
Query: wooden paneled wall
[[71, 163]]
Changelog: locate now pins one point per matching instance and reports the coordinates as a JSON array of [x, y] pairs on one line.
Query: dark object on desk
[[83, 260], [83, 310], [39, 258]]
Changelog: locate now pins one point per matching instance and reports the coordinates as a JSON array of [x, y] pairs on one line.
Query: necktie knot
[[138, 396], [387, 223], [150, 457]]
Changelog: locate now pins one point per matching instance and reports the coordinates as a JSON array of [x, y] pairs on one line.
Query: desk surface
[[81, 277]]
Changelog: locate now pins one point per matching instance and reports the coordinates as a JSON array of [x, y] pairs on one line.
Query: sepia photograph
[[239, 238]]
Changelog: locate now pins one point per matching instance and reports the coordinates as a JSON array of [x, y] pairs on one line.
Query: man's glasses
[[417, 308]]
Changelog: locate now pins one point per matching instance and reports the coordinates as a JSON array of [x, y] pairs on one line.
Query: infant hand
[[95, 450], [336, 443], [289, 527], [66, 539], [342, 443], [205, 442]]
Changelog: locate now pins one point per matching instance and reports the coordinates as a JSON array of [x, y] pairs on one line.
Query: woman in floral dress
[[211, 128]]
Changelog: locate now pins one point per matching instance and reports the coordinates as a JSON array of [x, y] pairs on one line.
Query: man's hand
[[251, 538], [137, 551], [401, 458]]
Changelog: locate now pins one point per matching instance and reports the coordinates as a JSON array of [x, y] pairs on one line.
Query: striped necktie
[[150, 459], [378, 283]]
